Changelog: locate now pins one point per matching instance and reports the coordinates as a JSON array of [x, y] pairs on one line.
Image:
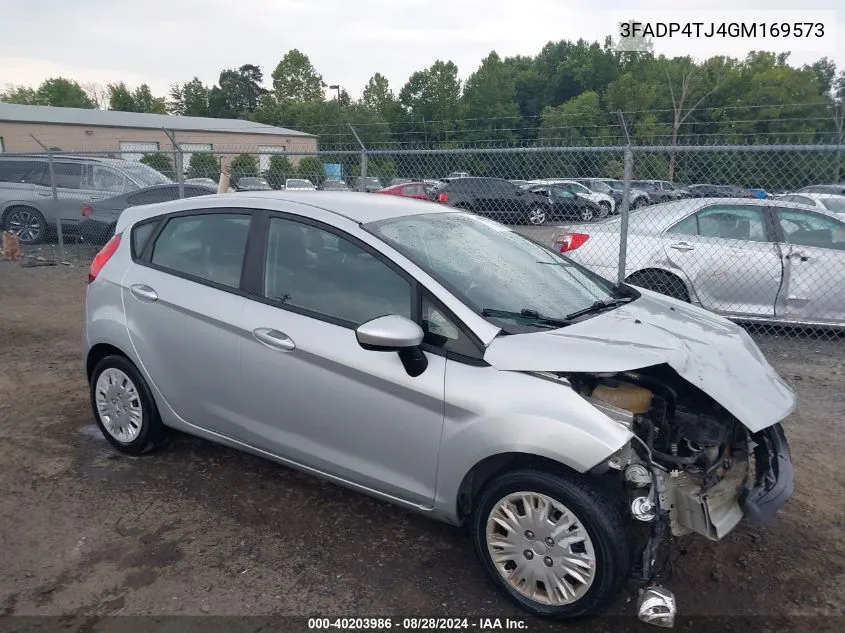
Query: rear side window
[[207, 246], [68, 175], [16, 170]]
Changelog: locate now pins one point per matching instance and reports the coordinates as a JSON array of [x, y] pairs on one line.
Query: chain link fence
[[755, 232]]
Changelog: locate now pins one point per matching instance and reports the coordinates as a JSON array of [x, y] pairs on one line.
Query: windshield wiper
[[599, 306], [526, 313]]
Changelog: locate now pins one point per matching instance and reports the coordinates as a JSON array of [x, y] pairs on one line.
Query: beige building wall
[[78, 138]]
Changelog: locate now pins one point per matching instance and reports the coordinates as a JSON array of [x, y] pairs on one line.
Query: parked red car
[[417, 190]]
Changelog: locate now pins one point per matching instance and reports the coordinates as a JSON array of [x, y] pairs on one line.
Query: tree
[[190, 99], [490, 100], [296, 79], [144, 101], [379, 98], [686, 82], [64, 93], [204, 166], [23, 95], [160, 162], [279, 170], [98, 95], [579, 119], [120, 98], [243, 165], [240, 89], [434, 94], [310, 167]]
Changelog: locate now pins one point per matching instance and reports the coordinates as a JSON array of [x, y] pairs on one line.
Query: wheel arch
[[11, 205], [98, 352], [662, 270]]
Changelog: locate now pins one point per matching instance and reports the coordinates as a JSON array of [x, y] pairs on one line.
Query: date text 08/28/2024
[[722, 29], [417, 624]]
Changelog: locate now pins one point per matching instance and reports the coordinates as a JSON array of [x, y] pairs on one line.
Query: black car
[[495, 198], [100, 217], [567, 204], [719, 191], [252, 183]]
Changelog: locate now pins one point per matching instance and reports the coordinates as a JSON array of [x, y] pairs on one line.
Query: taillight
[[102, 257], [443, 197], [570, 241], [86, 211]]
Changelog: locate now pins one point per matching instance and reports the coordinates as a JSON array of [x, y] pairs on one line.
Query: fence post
[[177, 162], [56, 207], [362, 184], [626, 198]]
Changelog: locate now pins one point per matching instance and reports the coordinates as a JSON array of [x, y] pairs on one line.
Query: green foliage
[[279, 170], [161, 163], [310, 167], [55, 91], [490, 99], [243, 165], [296, 79], [204, 166], [139, 100]]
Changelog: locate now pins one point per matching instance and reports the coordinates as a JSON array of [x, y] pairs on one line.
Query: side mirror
[[391, 333]]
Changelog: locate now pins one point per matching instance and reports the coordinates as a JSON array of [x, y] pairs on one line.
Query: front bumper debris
[[774, 478], [656, 605]]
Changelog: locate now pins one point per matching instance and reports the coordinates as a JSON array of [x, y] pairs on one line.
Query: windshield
[[618, 185], [491, 268], [834, 204], [144, 175], [648, 186], [300, 183], [578, 188]]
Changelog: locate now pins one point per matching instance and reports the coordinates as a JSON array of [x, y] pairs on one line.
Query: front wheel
[[555, 543], [536, 216], [587, 214], [639, 203], [28, 224], [605, 208]]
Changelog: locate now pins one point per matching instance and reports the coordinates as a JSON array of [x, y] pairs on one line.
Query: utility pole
[[58, 210]]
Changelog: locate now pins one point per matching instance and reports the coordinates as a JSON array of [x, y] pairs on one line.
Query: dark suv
[[495, 198]]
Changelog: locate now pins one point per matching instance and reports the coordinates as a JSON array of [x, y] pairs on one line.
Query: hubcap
[[587, 215], [25, 225], [556, 565], [119, 405], [537, 216]]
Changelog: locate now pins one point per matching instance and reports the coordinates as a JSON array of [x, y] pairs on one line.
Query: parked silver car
[[27, 207], [747, 259], [379, 342]]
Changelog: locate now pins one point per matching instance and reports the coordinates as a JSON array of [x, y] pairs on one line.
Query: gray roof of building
[[113, 118]]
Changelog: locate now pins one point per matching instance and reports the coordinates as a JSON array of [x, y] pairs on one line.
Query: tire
[[662, 282], [605, 209], [600, 519], [587, 214], [536, 216], [136, 410], [27, 223], [639, 203]]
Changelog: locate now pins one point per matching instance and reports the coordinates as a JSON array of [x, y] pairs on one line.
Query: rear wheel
[[639, 203], [554, 543], [27, 223], [587, 214], [124, 407], [661, 281]]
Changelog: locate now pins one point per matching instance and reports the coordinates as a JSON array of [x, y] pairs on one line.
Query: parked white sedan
[[749, 260], [826, 201]]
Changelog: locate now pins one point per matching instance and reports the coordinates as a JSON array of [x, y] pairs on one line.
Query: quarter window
[[441, 332], [207, 246], [315, 270]]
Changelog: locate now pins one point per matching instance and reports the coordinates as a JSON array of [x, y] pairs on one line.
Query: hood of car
[[710, 352]]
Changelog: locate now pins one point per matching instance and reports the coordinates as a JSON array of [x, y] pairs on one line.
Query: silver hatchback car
[[445, 363]]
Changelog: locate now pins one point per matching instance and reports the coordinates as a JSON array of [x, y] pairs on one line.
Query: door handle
[[144, 293], [46, 194], [682, 246], [799, 254], [273, 338], [96, 197]]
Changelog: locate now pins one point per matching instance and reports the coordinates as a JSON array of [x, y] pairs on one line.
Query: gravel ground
[[200, 530]]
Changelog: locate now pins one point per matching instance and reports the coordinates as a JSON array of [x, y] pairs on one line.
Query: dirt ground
[[201, 530]]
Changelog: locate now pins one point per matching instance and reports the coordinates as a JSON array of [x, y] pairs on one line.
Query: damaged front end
[[692, 467]]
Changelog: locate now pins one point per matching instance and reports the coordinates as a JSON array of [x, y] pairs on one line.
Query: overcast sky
[[160, 42]]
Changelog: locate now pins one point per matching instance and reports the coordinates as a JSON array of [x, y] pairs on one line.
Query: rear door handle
[[46, 194], [273, 338], [682, 246], [144, 293]]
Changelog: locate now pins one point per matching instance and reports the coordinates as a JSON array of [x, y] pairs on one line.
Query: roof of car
[[358, 207], [815, 195], [659, 217]]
